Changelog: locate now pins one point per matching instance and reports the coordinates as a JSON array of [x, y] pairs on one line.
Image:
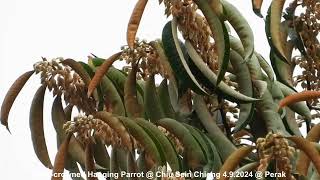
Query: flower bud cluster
[[275, 148], [62, 80], [147, 56], [86, 127]]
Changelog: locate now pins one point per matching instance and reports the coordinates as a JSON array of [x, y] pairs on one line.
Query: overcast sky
[[30, 29]]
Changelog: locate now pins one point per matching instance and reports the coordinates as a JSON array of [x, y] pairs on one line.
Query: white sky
[[30, 29]]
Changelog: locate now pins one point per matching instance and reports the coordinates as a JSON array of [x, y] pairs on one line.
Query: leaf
[[151, 102], [36, 127], [220, 36], [256, 7], [134, 109], [234, 159], [90, 165], [297, 97], [165, 100], [204, 146], [100, 72], [222, 88], [134, 22], [308, 148], [214, 155], [59, 161], [11, 95], [169, 152], [242, 28], [143, 138], [194, 154], [112, 96], [303, 161]]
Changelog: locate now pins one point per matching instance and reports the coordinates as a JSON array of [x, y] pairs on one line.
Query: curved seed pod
[[214, 155], [151, 101], [177, 58], [253, 64], [75, 171], [59, 160], [68, 111], [277, 95], [230, 93], [70, 164], [112, 96], [204, 147], [131, 165], [291, 122], [267, 108], [276, 8], [164, 99], [256, 7], [143, 138], [308, 148], [170, 153], [141, 162], [298, 107], [259, 87], [265, 66], [77, 67], [242, 73], [246, 168], [90, 168], [273, 29], [36, 128], [195, 156], [134, 22], [114, 166], [315, 176], [222, 143], [164, 60], [216, 6], [242, 28], [283, 71], [299, 96], [220, 36], [59, 117], [234, 159], [100, 153], [303, 161], [255, 68], [101, 71], [11, 95], [117, 126]]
